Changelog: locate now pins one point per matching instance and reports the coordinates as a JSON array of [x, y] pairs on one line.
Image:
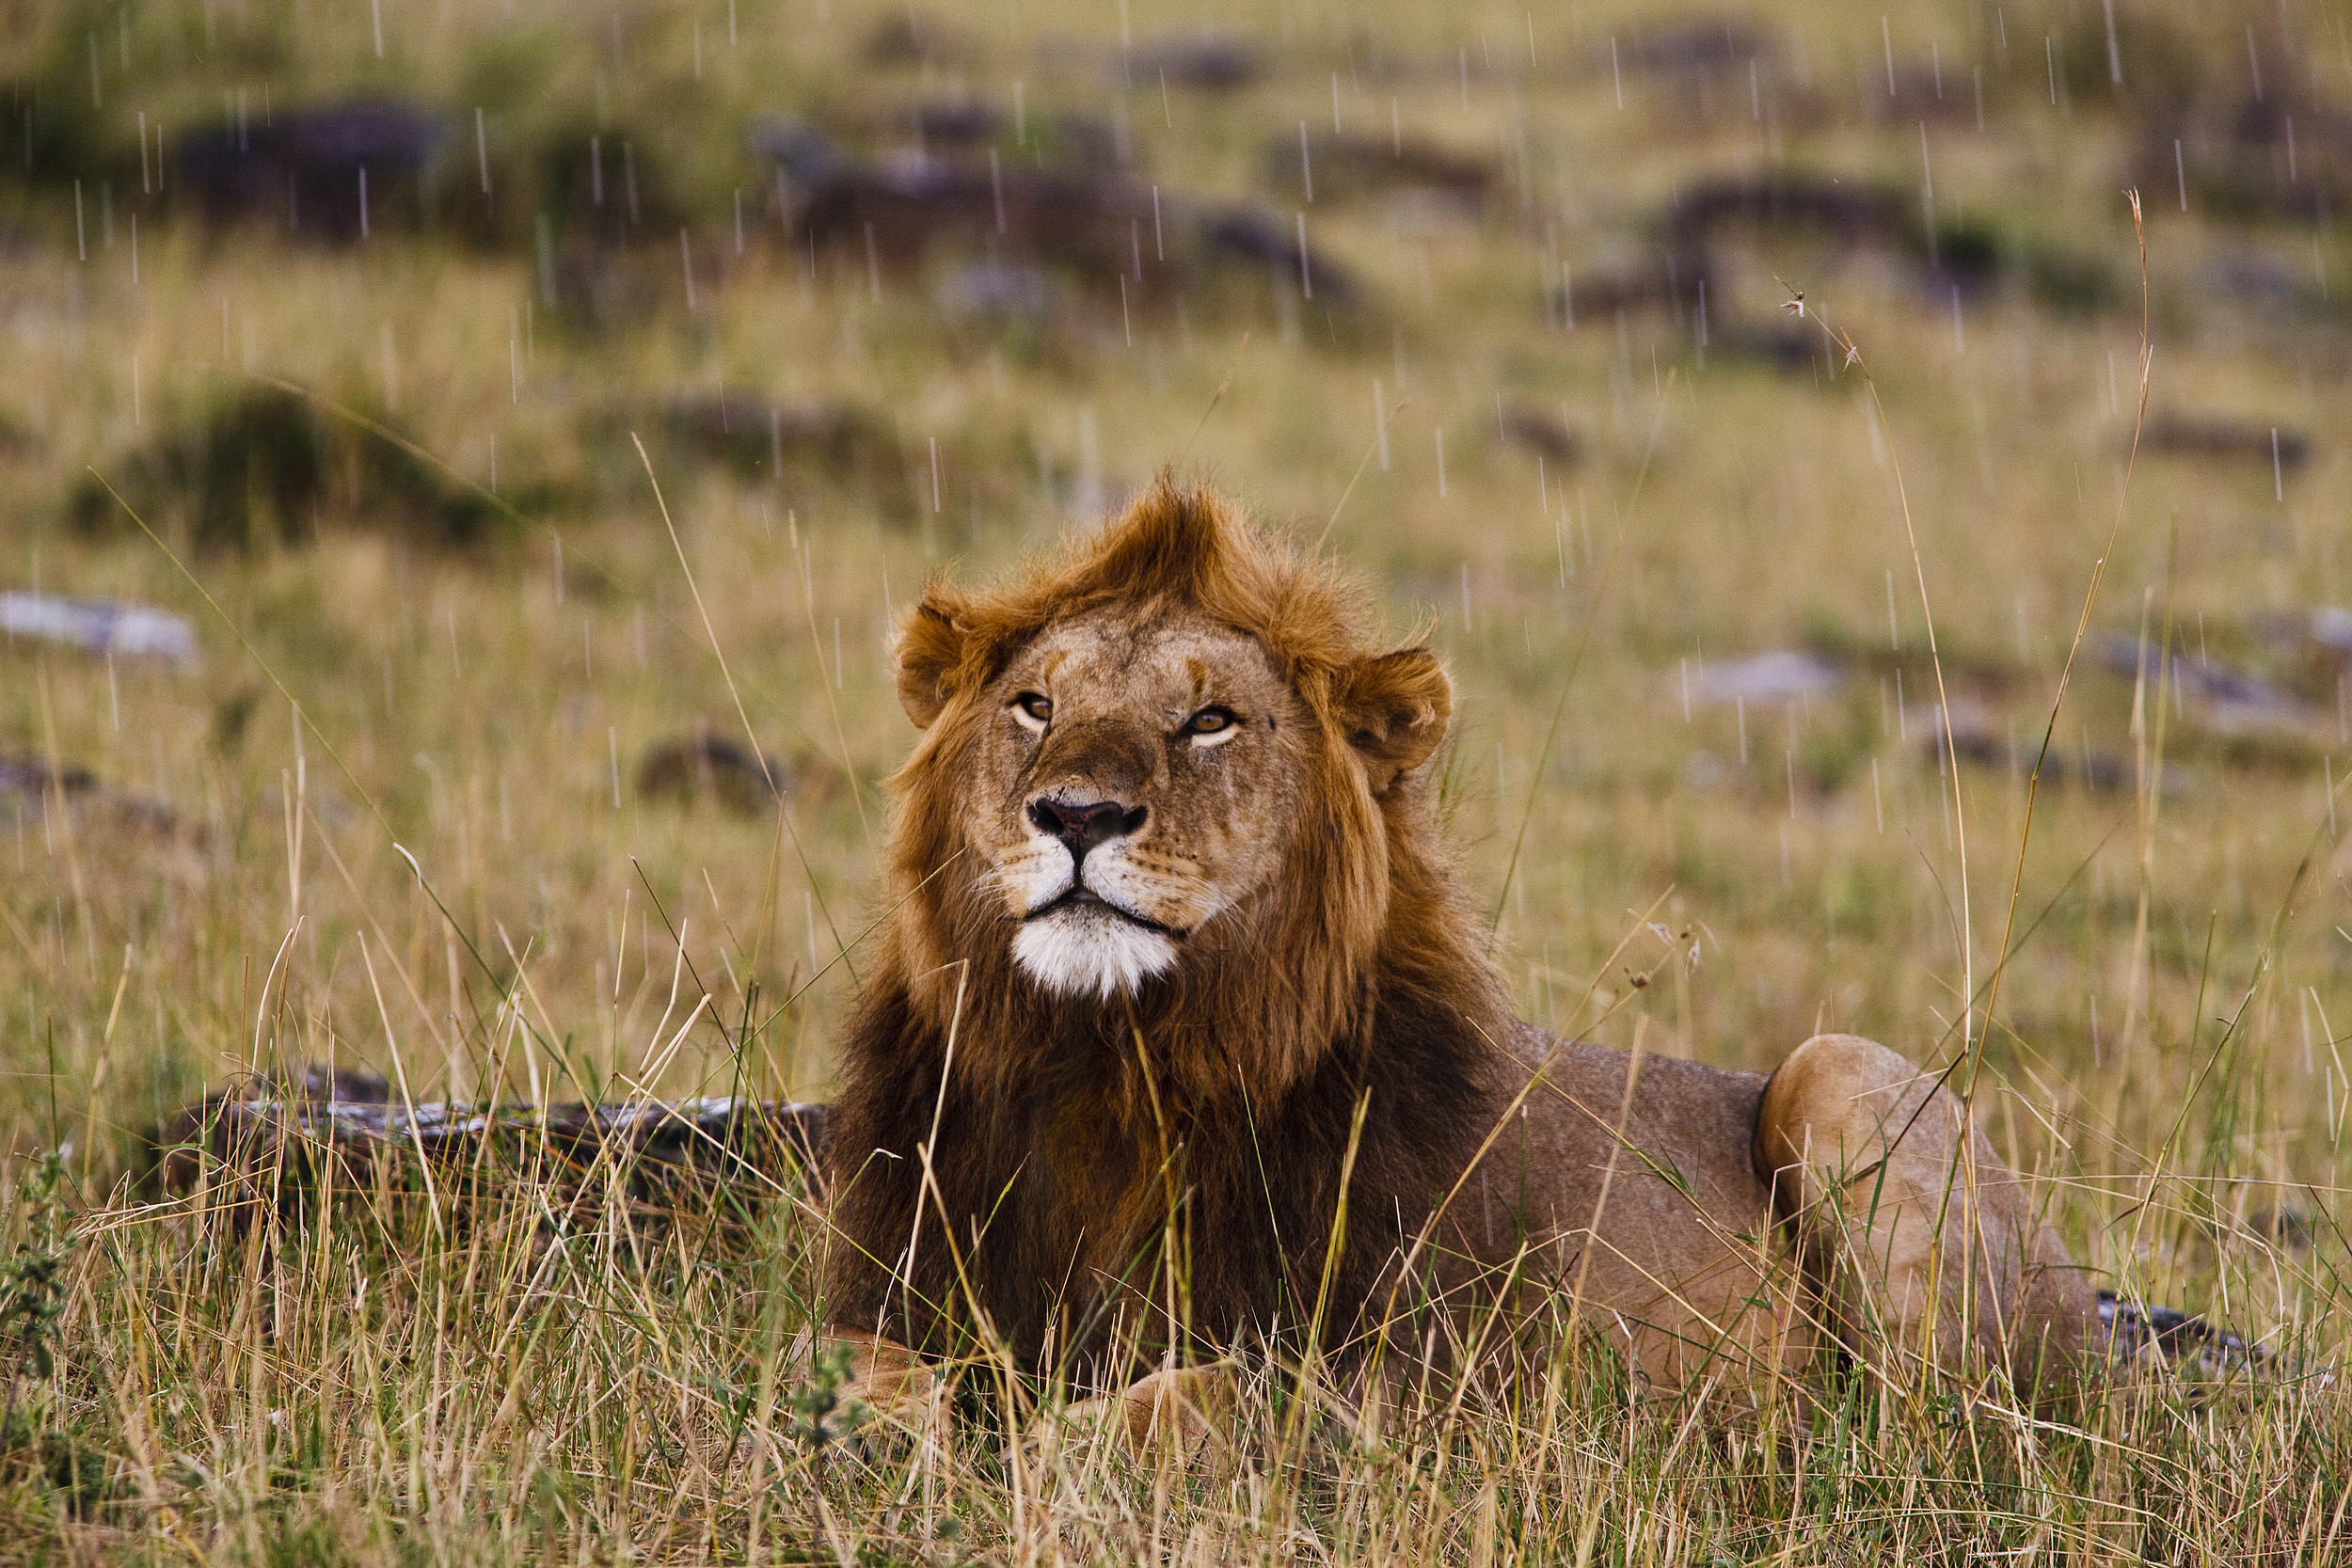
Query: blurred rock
[[1983, 740], [1260, 236], [2330, 626], [336, 173], [1118, 236], [1205, 62], [995, 291], [1541, 431], [1697, 238], [955, 122], [1851, 215], [965, 124], [908, 37], [111, 627], [1848, 211], [30, 788], [2260, 281], [1781, 675], [2229, 701], [1629, 278], [2257, 158], [29, 778], [257, 465], [1784, 343], [2221, 439], [1926, 90], [1969, 257], [896, 210], [1682, 47], [705, 766], [1348, 167], [799, 150], [268, 1144]]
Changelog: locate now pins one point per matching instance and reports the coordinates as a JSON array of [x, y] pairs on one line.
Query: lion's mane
[[1175, 1158]]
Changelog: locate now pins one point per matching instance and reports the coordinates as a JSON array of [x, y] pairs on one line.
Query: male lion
[[1180, 1039]]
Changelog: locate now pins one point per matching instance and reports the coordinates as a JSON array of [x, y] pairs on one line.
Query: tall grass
[[513, 1367]]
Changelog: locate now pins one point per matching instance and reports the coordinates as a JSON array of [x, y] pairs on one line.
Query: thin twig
[[751, 735], [1576, 659], [2082, 620], [1379, 437], [1217, 397]]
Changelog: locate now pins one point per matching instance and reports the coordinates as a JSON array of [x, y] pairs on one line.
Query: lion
[[1180, 1041]]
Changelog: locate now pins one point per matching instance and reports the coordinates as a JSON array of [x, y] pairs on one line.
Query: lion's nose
[[1084, 824]]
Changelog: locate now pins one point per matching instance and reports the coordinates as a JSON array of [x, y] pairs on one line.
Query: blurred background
[[365, 309]]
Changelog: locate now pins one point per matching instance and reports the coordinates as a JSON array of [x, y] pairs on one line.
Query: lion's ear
[[1396, 707], [930, 646]]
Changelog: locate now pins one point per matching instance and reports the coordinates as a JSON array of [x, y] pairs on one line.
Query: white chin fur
[[1078, 952]]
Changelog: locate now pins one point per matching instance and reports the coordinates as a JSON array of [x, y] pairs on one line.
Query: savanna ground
[[1595, 499]]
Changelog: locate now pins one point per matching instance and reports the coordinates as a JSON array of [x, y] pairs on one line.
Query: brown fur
[[1038, 1168]]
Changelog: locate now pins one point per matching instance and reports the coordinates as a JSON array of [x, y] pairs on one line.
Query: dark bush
[[706, 767], [337, 172], [261, 466], [2068, 282]]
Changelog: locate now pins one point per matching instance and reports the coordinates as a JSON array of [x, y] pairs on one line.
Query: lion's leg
[[1911, 1227], [1177, 1408]]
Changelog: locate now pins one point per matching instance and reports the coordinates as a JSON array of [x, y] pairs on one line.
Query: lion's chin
[[1091, 952]]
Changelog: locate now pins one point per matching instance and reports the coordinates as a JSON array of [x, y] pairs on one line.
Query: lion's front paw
[[908, 1399], [1180, 1411], [888, 1394]]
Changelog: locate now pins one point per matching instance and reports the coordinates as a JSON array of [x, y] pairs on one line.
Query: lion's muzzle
[[1083, 938]]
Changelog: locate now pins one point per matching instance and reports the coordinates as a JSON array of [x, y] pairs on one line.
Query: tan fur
[[1177, 1409], [1923, 1243], [1106, 1139]]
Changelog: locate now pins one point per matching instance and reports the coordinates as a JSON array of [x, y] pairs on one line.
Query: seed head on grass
[[819, 1414]]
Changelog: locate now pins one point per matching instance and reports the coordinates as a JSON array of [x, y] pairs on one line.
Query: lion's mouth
[[1079, 896]]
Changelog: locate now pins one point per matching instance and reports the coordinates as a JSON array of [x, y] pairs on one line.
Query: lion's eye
[[1034, 707], [1210, 720]]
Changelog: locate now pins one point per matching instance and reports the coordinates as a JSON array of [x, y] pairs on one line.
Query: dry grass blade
[[371, 445], [751, 735], [2082, 620]]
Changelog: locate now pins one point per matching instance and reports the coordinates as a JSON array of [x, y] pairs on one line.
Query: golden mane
[[1252, 1060], [1366, 875]]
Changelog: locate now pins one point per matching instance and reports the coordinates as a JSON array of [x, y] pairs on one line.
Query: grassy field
[[392, 814]]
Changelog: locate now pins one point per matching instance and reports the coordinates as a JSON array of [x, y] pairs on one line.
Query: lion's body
[[1181, 1038], [1080, 1202]]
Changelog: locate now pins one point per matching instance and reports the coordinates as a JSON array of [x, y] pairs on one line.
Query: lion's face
[[1133, 782], [1167, 758]]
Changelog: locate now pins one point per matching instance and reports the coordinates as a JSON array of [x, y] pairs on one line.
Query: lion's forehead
[[1174, 662]]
